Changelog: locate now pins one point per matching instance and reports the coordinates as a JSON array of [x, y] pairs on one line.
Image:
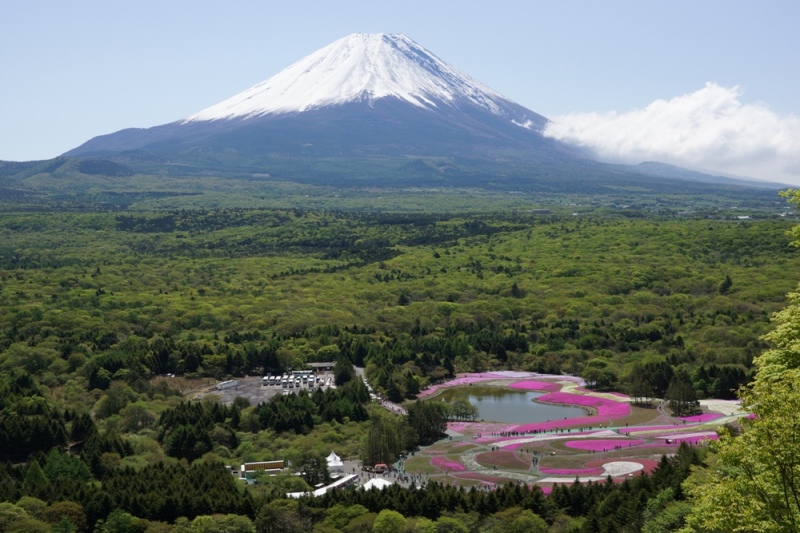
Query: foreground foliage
[[754, 484]]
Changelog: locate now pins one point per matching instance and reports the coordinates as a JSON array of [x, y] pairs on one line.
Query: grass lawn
[[502, 459], [448, 447], [466, 483], [639, 416], [420, 465]]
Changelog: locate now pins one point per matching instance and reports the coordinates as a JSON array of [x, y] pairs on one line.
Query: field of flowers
[[594, 446]]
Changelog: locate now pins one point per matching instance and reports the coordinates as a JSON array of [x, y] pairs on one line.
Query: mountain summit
[[366, 68]]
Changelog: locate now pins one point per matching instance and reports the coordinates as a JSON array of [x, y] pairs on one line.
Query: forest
[[98, 308]]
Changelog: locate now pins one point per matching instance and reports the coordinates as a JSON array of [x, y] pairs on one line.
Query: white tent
[[335, 464], [377, 483]]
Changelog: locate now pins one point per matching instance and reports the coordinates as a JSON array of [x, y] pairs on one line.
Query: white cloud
[[708, 129]]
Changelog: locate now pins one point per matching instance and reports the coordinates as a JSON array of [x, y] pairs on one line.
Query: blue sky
[[710, 84]]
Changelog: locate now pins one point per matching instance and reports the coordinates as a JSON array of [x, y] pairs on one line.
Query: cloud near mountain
[[710, 129]]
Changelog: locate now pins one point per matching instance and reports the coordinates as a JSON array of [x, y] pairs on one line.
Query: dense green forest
[[97, 307]]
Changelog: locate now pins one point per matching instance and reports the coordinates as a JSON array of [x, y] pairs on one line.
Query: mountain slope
[[364, 95]]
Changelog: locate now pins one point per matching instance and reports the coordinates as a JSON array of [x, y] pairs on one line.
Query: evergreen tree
[[343, 371], [725, 285], [681, 395], [82, 428], [35, 482], [428, 419]]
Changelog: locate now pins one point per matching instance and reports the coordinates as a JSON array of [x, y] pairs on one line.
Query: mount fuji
[[367, 68], [374, 105], [368, 109]]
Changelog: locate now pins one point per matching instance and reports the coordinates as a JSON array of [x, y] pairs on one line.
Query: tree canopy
[[754, 483]]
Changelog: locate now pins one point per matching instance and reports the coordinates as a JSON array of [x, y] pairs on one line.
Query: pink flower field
[[599, 445], [448, 465], [530, 384], [590, 433], [456, 382], [606, 408]]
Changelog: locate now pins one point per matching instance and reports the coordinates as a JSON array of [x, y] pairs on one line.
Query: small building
[[322, 367], [270, 467], [377, 483]]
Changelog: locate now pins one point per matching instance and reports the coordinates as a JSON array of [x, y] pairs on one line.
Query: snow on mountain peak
[[356, 68]]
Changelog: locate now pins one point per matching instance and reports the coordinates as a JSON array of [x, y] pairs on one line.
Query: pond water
[[498, 404]]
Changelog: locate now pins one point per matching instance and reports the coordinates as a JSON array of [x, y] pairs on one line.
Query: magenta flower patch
[[466, 380], [448, 465], [604, 407], [599, 445], [533, 385]]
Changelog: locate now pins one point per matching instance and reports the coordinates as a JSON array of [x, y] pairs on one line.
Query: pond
[[498, 404]]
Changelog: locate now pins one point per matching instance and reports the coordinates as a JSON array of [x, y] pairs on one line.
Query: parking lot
[[253, 389]]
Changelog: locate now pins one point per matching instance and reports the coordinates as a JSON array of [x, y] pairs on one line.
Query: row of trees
[[159, 492], [171, 498]]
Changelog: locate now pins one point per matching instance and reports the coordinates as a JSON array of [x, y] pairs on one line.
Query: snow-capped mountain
[[364, 97], [366, 68]]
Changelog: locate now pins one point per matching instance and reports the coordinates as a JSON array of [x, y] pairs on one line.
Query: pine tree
[[35, 482]]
